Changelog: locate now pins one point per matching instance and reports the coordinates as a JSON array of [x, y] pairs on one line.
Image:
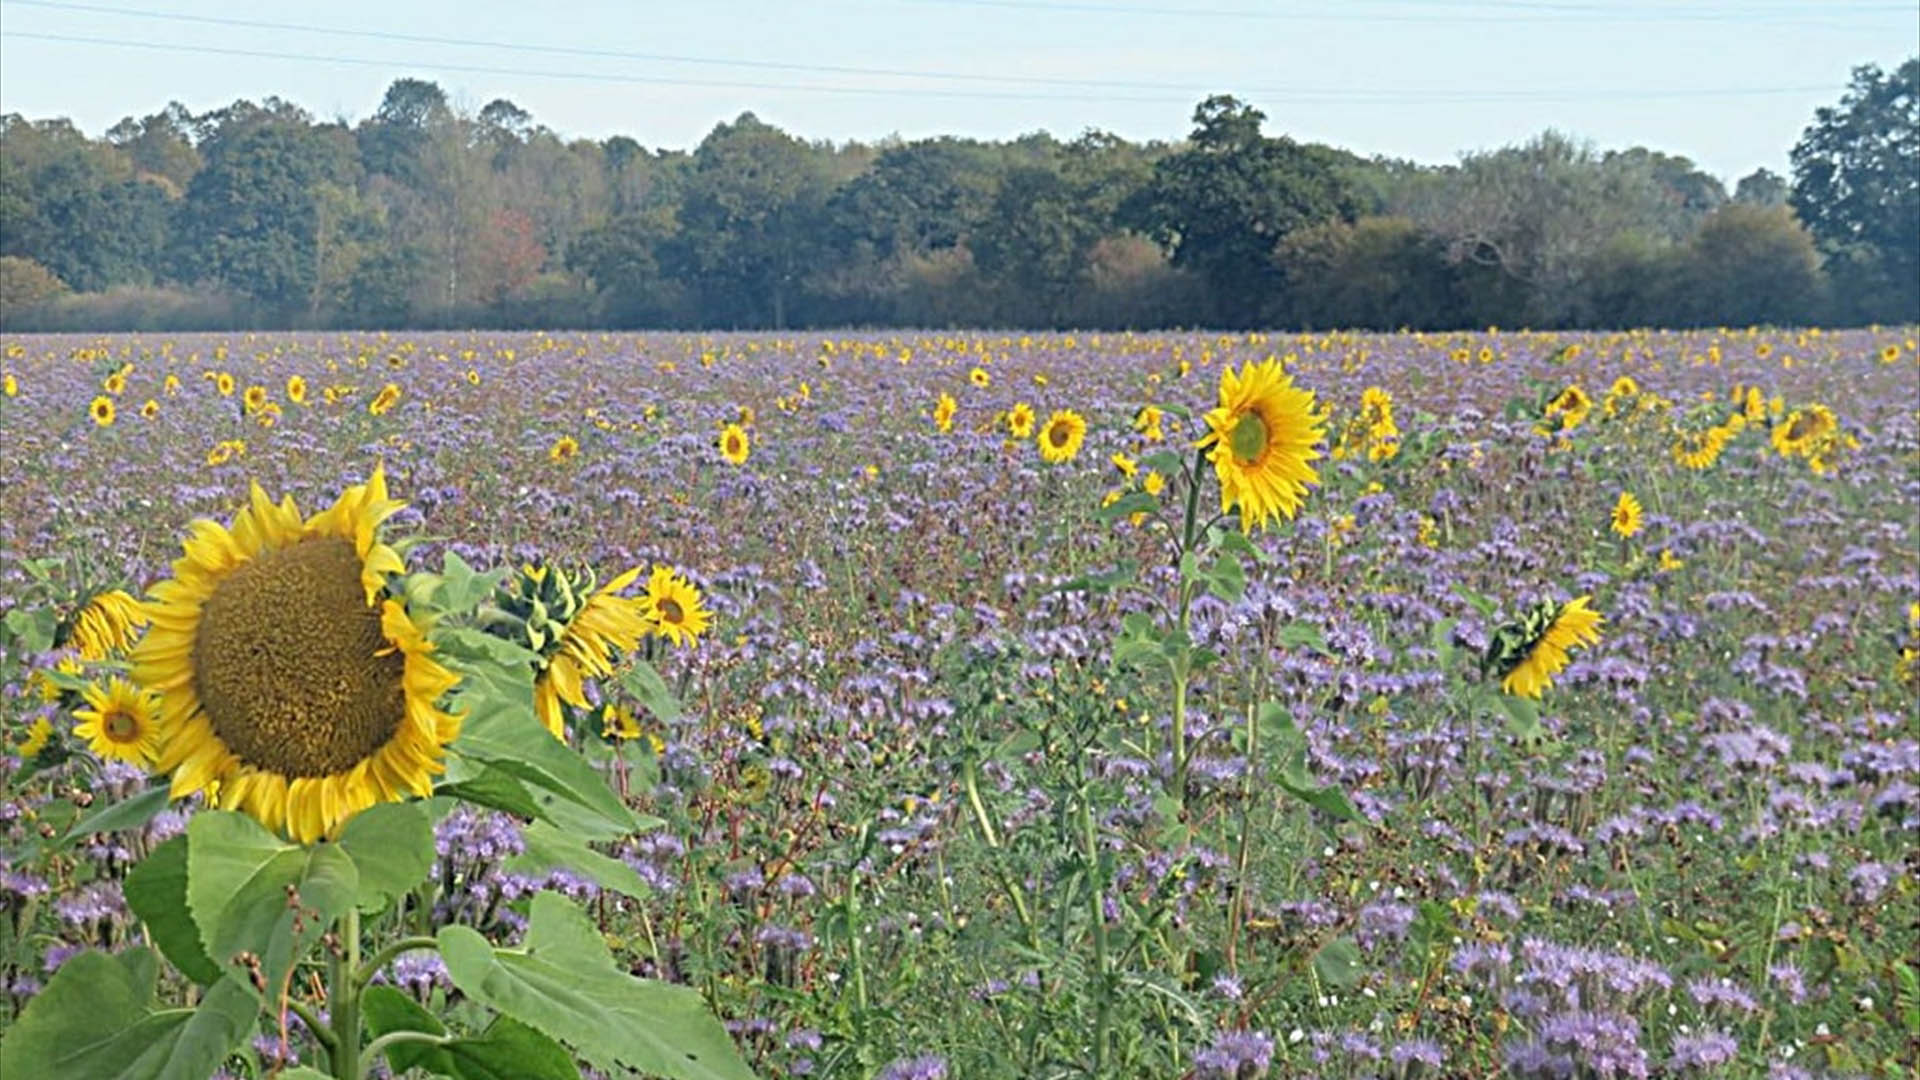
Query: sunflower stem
[[342, 971], [365, 973], [379, 1046]]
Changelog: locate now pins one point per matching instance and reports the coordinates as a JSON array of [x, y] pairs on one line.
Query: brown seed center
[[285, 662], [670, 611]]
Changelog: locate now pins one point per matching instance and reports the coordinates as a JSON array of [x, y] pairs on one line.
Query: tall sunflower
[[106, 624], [120, 722], [1263, 435], [1528, 654], [1060, 439], [288, 683], [673, 607]]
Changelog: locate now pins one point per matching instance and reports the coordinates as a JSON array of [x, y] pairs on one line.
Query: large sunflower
[[287, 682], [1060, 439], [120, 722], [1528, 655], [1263, 435]]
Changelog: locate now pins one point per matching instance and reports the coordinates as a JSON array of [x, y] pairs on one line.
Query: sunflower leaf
[[156, 890], [645, 684], [563, 983], [1136, 502], [92, 1020], [501, 731], [391, 845], [548, 848], [238, 875], [507, 1050], [493, 787], [128, 813]]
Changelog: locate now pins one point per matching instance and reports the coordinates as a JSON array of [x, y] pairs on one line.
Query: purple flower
[[924, 1067], [1234, 1055]]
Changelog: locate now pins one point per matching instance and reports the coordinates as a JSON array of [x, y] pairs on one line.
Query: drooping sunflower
[[1571, 407], [578, 631], [385, 400], [106, 624], [1804, 432], [1700, 450], [1062, 436], [733, 444], [121, 722], [102, 411], [1264, 434], [1528, 654], [288, 683], [673, 607], [1626, 517], [1020, 421]]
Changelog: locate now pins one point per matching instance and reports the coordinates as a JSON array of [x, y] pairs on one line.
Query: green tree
[[1223, 203], [1750, 265], [1374, 274], [1762, 187], [1033, 245], [1856, 185]]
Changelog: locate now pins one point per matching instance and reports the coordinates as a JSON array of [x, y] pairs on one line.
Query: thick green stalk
[[342, 967], [1101, 965]]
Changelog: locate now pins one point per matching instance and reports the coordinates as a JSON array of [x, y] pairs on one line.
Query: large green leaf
[[495, 787], [391, 845], [91, 1022], [507, 1050], [501, 731], [128, 813], [647, 687], [237, 879], [156, 890], [563, 982], [548, 848]]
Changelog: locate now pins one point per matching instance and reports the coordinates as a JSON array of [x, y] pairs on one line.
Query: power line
[[1294, 95], [1818, 15]]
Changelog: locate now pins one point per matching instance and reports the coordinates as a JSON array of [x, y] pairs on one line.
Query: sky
[[1728, 83]]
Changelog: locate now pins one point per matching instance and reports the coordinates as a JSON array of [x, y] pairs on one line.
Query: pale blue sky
[[1423, 79]]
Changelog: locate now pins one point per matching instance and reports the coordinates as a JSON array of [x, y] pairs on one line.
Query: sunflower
[[254, 397], [1626, 515], [1128, 467], [601, 626], [1529, 654], [1154, 483], [1060, 439], [1699, 451], [115, 383], [979, 377], [1263, 435], [120, 721], [943, 411], [297, 389], [733, 444], [673, 607], [618, 724], [150, 409], [1020, 421], [1571, 407], [288, 684], [106, 624], [9, 385], [563, 450], [102, 411], [1148, 423], [223, 382], [384, 401], [1804, 432], [1889, 354]]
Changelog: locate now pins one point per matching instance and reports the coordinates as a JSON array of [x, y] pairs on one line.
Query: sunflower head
[[1626, 519], [287, 681], [109, 622], [1527, 654], [1061, 436], [673, 607], [734, 446], [1263, 435], [102, 411], [120, 722], [1020, 421]]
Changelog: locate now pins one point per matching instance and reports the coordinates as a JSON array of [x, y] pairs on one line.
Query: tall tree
[[1856, 185], [1223, 203]]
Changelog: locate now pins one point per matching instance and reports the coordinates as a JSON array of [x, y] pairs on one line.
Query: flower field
[[991, 705]]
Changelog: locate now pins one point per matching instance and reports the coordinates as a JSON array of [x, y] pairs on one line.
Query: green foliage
[[156, 891], [391, 846], [563, 983], [94, 1020]]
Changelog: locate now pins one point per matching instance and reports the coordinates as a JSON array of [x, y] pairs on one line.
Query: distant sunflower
[[1263, 435], [289, 686], [979, 377], [1148, 423], [1571, 407], [1804, 431], [115, 383], [563, 450], [943, 411], [120, 722], [1020, 421], [1062, 436], [1700, 450], [108, 623], [673, 607], [1527, 655], [9, 385], [255, 397], [223, 382], [1626, 518], [734, 446], [102, 411], [1889, 354], [297, 389], [38, 735], [385, 400], [1128, 467], [150, 409]]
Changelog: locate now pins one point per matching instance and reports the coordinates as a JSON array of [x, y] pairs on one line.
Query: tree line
[[262, 216]]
